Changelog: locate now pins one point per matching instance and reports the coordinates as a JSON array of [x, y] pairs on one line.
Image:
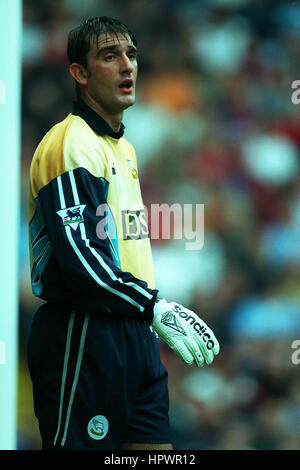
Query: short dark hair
[[79, 39]]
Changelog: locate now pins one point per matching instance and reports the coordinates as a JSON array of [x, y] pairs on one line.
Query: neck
[[113, 120]]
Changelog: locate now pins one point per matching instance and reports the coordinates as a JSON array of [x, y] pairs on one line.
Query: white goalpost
[[10, 109]]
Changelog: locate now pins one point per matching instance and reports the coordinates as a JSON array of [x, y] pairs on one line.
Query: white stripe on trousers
[[76, 375]]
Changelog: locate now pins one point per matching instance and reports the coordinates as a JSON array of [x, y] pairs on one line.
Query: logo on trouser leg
[[97, 427]]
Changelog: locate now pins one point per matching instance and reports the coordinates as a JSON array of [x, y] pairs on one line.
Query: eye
[[109, 57], [131, 55]]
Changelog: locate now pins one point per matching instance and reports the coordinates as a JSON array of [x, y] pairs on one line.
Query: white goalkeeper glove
[[184, 332]]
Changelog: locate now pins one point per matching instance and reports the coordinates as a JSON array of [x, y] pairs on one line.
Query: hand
[[185, 333]]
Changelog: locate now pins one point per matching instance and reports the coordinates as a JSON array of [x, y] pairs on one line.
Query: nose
[[127, 65]]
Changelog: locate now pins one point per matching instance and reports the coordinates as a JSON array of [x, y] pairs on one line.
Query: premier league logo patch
[[72, 215]]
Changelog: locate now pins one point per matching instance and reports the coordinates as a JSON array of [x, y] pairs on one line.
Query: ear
[[79, 73]]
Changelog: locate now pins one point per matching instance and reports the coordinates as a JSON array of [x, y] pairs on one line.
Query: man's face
[[112, 72]]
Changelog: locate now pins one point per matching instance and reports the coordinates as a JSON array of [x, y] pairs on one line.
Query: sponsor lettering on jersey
[[134, 224]]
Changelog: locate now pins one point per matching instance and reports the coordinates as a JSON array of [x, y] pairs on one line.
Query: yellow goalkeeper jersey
[[89, 241]]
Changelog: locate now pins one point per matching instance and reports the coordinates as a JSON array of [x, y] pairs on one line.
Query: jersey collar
[[96, 122]]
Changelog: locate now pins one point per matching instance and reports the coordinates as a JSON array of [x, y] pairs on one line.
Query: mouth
[[126, 86]]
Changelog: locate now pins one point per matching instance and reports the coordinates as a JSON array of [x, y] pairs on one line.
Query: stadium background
[[214, 124]]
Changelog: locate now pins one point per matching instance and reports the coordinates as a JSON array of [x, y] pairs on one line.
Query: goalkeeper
[[93, 355]]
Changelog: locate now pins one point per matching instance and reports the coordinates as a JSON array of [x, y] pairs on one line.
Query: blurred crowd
[[214, 123]]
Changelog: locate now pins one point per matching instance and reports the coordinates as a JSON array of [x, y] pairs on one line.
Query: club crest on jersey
[[132, 168], [72, 215]]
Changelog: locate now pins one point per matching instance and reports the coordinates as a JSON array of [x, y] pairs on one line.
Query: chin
[[128, 102]]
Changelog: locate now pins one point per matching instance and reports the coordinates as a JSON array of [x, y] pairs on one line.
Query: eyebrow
[[114, 47]]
